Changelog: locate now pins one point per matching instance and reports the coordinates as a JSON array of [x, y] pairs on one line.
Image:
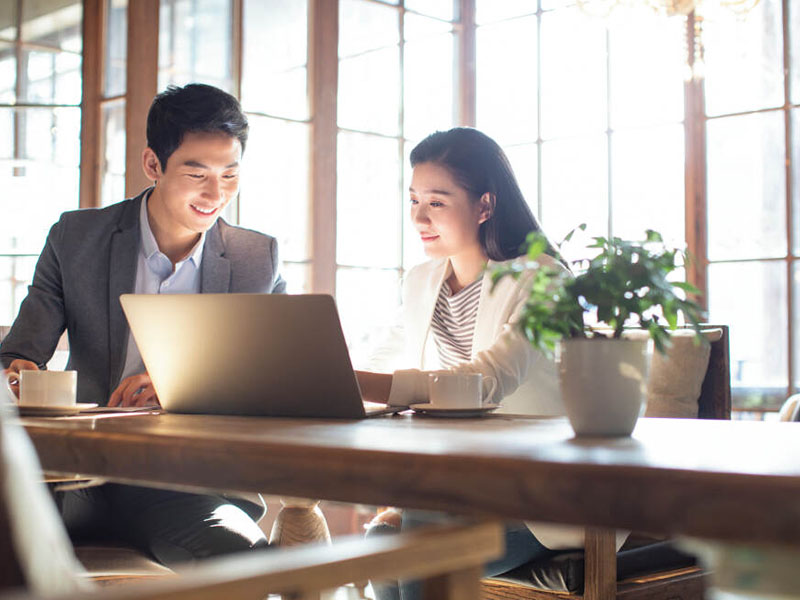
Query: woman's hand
[[375, 387]]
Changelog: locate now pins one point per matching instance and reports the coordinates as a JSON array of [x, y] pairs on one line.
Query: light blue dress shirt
[[155, 275]]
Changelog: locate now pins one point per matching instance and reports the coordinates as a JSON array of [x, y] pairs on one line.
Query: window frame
[[323, 30]]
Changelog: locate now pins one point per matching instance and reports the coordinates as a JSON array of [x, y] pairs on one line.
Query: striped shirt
[[453, 323]]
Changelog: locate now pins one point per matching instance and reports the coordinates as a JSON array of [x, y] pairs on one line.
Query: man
[[169, 239]]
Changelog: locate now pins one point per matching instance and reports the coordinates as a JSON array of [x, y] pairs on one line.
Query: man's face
[[201, 178]]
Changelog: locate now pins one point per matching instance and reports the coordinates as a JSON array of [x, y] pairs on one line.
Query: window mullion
[[141, 86], [323, 74], [93, 71], [696, 217]]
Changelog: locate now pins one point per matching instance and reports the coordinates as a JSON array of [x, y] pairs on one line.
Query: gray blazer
[[89, 259]]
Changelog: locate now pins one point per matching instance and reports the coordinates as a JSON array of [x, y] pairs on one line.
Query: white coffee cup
[[459, 390], [46, 388]]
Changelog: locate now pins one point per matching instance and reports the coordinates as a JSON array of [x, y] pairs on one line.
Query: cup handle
[[492, 387]]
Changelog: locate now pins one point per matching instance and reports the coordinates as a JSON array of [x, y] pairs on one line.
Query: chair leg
[[458, 585], [600, 574]]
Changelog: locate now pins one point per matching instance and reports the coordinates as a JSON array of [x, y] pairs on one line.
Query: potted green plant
[[580, 315]]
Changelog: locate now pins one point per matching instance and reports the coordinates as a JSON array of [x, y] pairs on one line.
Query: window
[[750, 114], [40, 95], [274, 194], [594, 131], [396, 85], [609, 132]]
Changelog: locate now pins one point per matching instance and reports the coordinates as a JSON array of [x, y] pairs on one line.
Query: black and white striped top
[[454, 323]]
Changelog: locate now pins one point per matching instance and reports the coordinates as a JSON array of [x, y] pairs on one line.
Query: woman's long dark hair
[[479, 165]]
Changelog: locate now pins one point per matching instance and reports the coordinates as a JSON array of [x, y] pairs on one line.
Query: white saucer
[[438, 411], [28, 410]]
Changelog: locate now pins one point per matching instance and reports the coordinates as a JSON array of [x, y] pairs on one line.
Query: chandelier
[[695, 11], [702, 9]]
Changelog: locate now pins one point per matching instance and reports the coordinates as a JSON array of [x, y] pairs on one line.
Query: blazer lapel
[[215, 275], [123, 255]]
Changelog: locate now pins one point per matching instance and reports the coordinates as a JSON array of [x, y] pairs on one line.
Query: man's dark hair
[[193, 108]]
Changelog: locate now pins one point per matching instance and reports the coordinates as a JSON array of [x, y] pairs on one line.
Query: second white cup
[[459, 390]]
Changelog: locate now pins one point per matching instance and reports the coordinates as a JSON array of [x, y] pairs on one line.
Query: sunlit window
[[274, 194], [396, 85], [40, 95], [746, 128]]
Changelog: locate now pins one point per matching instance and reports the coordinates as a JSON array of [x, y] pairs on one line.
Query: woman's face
[[443, 214]]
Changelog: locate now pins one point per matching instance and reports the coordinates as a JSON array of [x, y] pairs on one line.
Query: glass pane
[[559, 4], [116, 47], [8, 21], [16, 273], [428, 65], [51, 135], [368, 300], [506, 100], [487, 11], [794, 49], [274, 77], [575, 189], [369, 209], [796, 323], [373, 106], [274, 195], [6, 133], [8, 74], [46, 159], [573, 75], [646, 73], [524, 161], [194, 43], [441, 9], [795, 116], [113, 169], [647, 183], [53, 23], [744, 61], [746, 187], [369, 67], [297, 277], [757, 316], [51, 78], [365, 26]]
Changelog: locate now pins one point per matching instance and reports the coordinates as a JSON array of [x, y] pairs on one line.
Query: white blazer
[[527, 381]]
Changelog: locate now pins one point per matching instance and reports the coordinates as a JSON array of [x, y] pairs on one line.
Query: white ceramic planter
[[603, 384]]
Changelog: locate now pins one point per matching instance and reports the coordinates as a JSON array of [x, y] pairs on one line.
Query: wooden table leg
[[299, 521]]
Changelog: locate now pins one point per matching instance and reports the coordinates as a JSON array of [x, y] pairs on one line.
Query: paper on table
[[109, 409]]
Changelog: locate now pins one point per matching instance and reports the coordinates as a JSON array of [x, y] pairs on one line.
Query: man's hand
[[12, 373], [136, 390]]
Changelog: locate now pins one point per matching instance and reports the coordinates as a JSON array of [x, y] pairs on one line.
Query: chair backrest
[[35, 551], [715, 397], [10, 570]]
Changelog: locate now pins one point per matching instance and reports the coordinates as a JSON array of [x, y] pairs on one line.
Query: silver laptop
[[246, 354]]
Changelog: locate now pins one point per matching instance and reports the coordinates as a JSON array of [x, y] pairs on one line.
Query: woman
[[468, 209]]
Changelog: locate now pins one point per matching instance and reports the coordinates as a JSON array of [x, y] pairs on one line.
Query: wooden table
[[733, 481]]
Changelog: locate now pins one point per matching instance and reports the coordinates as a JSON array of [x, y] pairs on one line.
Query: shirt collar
[[149, 244]]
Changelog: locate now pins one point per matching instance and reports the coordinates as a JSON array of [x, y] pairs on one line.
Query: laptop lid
[[245, 354]]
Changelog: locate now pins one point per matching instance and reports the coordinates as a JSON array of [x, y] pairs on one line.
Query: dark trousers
[[173, 527], [520, 547]]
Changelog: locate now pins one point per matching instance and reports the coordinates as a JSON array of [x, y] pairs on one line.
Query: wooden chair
[[644, 568], [36, 559]]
